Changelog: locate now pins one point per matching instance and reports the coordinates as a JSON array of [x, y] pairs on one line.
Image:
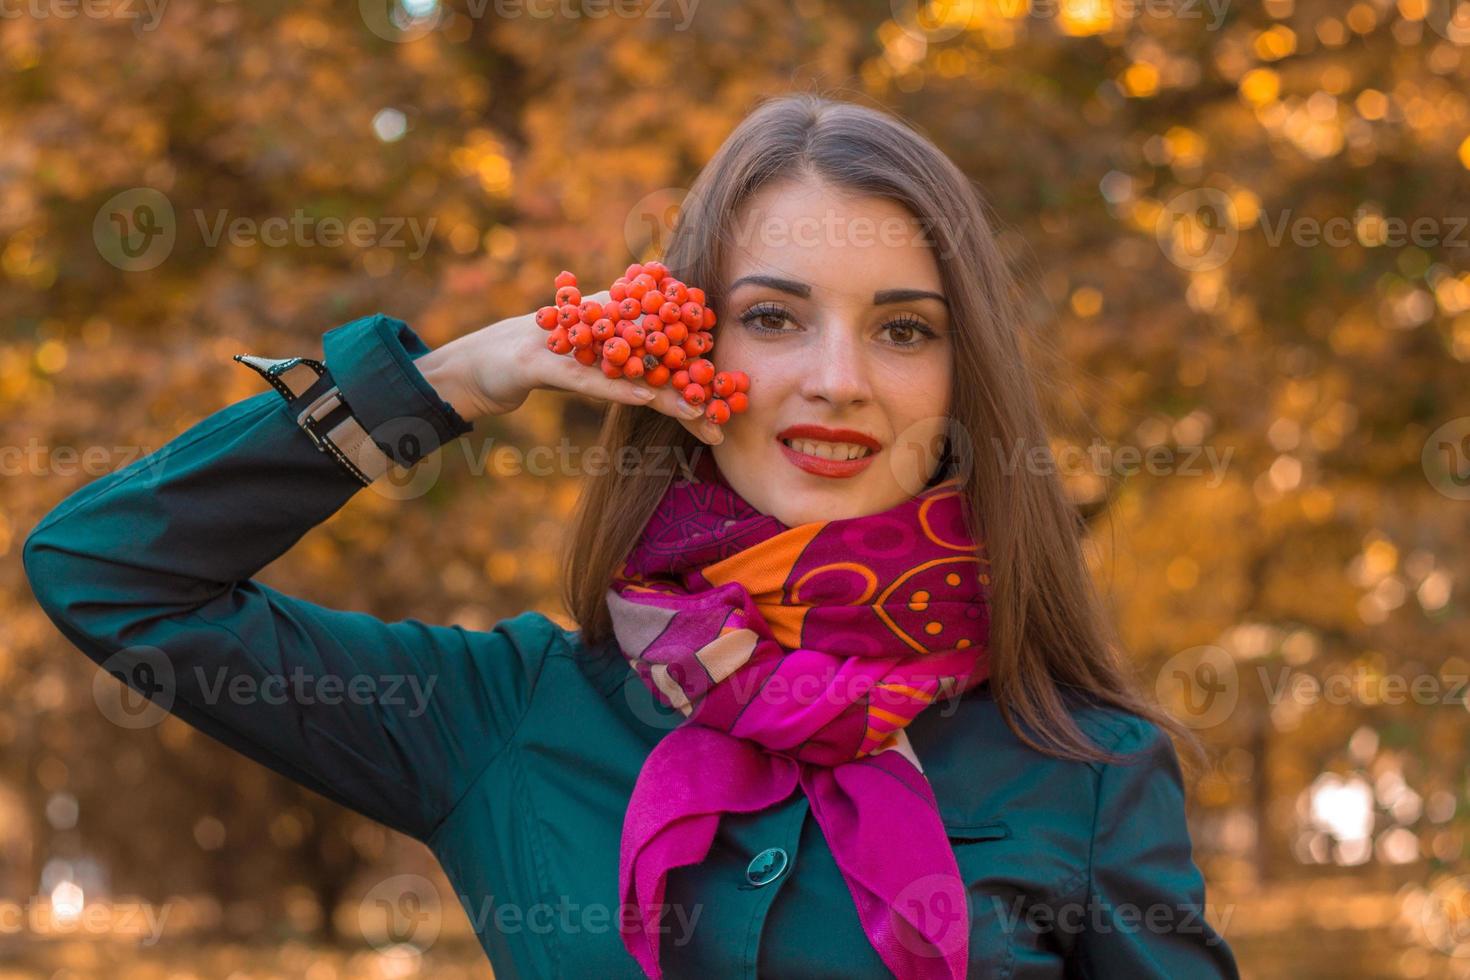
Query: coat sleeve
[[1145, 910], [148, 571]]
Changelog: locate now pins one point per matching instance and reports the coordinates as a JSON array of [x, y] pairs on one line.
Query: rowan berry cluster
[[654, 327]]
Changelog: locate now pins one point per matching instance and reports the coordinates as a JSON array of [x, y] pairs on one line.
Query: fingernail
[[690, 411], [645, 393]]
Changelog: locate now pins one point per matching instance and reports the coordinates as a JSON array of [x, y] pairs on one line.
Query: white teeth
[[828, 450]]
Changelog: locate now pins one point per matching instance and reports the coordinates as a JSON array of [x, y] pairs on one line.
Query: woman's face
[[833, 305]]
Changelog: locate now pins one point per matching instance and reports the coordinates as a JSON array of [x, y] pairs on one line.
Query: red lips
[[816, 465], [824, 434]]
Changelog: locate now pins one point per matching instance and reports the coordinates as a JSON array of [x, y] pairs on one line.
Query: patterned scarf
[[797, 656]]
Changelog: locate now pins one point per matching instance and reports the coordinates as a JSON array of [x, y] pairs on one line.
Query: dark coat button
[[766, 866]]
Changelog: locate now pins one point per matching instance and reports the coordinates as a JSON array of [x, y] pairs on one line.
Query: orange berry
[[656, 269], [557, 341], [618, 290], [580, 335], [546, 318], [566, 315], [669, 312], [616, 351], [633, 367], [696, 295], [635, 335], [675, 291], [610, 369], [565, 278], [652, 300], [739, 402], [709, 317], [718, 411], [602, 329], [658, 377], [693, 393], [656, 343], [591, 310], [680, 380], [634, 271], [692, 314], [742, 380], [724, 384], [701, 371], [568, 296], [585, 355], [677, 331], [675, 357]]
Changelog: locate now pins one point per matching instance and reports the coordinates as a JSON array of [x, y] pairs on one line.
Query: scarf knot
[[798, 655]]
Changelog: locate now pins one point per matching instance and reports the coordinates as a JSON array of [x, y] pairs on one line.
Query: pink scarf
[[798, 655]]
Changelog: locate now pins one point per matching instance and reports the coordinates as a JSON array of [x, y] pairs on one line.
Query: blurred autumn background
[[1243, 226]]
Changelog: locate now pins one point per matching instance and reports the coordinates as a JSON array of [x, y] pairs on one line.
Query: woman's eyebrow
[[906, 295], [804, 291], [774, 282]]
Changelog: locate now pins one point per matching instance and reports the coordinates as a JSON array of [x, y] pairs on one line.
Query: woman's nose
[[840, 372]]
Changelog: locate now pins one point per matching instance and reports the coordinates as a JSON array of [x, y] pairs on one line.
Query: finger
[[691, 417]]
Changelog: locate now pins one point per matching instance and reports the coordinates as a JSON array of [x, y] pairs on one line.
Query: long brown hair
[[1048, 636]]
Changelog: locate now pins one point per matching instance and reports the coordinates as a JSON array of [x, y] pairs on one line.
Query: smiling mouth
[[839, 451]]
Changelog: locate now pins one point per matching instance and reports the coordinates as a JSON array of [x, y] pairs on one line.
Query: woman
[[839, 705]]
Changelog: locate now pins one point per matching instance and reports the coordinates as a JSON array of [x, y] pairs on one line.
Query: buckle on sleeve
[[322, 406]]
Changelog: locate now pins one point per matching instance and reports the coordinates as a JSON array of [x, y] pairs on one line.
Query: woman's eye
[[765, 319], [908, 332]]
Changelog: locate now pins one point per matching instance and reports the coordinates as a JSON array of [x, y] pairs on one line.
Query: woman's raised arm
[[148, 571]]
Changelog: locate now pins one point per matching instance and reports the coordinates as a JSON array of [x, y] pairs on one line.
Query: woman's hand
[[494, 369]]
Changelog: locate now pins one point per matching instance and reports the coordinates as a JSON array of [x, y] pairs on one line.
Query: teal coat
[[516, 767]]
